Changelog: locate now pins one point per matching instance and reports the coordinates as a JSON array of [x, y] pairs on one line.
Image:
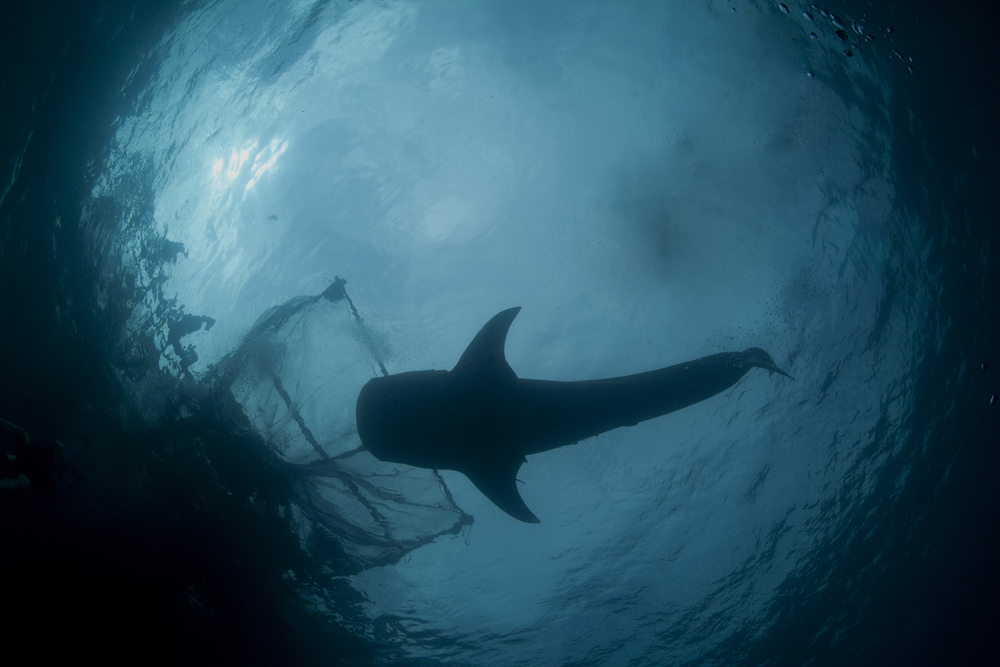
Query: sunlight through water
[[307, 195]]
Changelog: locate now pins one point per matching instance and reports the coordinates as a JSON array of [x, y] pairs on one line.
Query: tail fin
[[758, 358]]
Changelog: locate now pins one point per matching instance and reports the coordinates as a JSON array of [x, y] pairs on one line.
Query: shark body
[[481, 420]]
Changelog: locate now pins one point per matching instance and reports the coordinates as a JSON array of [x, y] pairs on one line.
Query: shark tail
[[758, 358]]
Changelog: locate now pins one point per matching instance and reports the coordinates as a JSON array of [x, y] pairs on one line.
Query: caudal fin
[[758, 358]]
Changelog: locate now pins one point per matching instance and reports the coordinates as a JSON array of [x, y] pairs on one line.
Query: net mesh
[[297, 376]]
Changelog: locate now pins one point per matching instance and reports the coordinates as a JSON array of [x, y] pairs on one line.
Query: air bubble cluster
[[858, 26]]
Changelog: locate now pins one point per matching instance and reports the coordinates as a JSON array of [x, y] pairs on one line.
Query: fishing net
[[297, 376]]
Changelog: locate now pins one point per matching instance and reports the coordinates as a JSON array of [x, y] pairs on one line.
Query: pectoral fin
[[497, 480]]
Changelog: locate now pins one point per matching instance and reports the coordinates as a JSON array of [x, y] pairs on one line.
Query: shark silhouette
[[482, 420]]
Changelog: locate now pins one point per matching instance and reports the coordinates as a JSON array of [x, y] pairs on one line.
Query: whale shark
[[481, 420]]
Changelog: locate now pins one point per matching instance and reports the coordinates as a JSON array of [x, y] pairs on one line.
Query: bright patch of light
[[238, 158], [265, 160]]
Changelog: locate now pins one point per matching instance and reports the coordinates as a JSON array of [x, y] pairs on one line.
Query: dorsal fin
[[485, 356], [497, 479]]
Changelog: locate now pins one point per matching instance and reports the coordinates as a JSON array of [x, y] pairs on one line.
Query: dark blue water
[[186, 189]]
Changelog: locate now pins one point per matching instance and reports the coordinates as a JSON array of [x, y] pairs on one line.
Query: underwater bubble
[[813, 35], [993, 399], [808, 15], [825, 13], [890, 29], [842, 34], [897, 54], [984, 365], [810, 74], [837, 22], [848, 53], [784, 7], [860, 29]]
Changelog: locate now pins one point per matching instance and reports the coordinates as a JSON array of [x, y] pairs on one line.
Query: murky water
[[650, 182]]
